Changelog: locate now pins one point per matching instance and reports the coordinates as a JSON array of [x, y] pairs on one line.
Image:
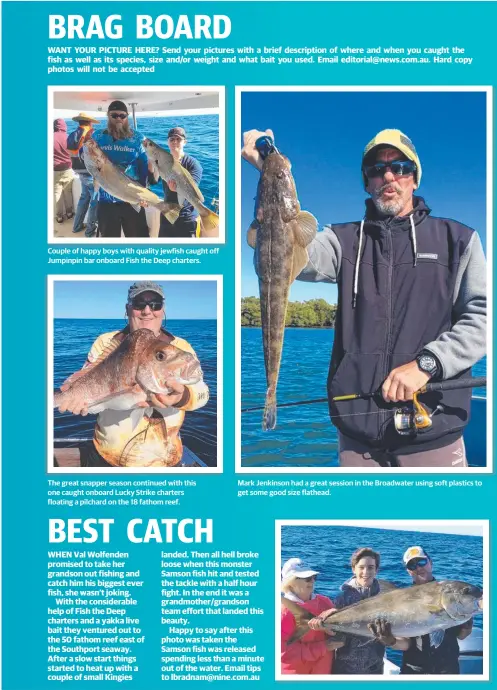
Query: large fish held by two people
[[411, 611], [186, 187], [126, 373], [111, 178], [279, 236]]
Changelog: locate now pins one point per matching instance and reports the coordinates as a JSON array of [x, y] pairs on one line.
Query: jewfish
[[126, 374], [411, 611], [111, 178], [280, 237], [186, 187]]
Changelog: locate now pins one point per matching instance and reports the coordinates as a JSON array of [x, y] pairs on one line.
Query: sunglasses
[[419, 563], [312, 578], [396, 167], [154, 304], [120, 116]]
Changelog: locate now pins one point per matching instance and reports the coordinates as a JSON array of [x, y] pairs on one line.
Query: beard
[[119, 131], [389, 207]]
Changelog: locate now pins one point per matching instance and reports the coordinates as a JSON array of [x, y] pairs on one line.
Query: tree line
[[313, 313]]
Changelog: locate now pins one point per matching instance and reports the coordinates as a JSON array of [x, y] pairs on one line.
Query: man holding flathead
[[411, 309]]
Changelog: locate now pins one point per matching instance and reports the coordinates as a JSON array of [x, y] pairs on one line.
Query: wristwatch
[[427, 363]]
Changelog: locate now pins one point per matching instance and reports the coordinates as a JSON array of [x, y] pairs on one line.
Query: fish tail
[[171, 211], [269, 418], [209, 222]]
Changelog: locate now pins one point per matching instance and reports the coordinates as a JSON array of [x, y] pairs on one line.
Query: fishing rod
[[407, 420]]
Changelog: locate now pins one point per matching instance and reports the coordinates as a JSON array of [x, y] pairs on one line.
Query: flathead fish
[[111, 178], [186, 187], [280, 237], [126, 373], [411, 611]]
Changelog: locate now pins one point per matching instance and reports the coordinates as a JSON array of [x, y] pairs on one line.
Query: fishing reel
[[410, 421]]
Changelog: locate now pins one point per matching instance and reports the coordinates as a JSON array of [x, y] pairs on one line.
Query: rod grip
[[456, 384]]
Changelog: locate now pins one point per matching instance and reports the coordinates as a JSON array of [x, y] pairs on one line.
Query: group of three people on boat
[[318, 653]]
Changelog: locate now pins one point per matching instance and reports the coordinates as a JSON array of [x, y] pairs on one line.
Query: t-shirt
[[144, 437]]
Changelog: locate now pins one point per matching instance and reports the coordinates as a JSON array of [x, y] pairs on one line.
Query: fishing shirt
[[195, 169], [309, 655], [144, 437], [405, 284], [128, 154], [356, 656]]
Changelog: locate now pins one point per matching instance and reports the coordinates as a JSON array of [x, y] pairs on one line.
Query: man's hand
[[75, 404], [317, 623], [249, 152], [172, 185], [382, 631], [169, 400], [403, 381]]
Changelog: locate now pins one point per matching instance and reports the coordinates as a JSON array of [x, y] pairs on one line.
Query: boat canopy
[[144, 103]]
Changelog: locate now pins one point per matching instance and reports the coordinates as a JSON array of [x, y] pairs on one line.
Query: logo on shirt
[[427, 256]]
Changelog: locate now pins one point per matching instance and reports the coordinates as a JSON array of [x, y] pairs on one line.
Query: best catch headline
[[163, 26], [162, 531]]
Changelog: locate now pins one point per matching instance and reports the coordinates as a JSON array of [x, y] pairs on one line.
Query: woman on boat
[[313, 653], [356, 657]]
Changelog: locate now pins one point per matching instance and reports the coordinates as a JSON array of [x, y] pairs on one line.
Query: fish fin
[[181, 198], [434, 608], [302, 617], [170, 211], [108, 350], [300, 261], [193, 183], [125, 399], [269, 418], [252, 234], [209, 224], [386, 586], [305, 228]]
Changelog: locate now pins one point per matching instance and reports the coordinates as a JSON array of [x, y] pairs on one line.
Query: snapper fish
[[411, 611], [111, 178], [126, 373], [186, 187], [279, 236]]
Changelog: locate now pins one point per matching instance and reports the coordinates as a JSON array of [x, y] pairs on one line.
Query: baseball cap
[[397, 139], [117, 105], [414, 552], [144, 286], [296, 567], [177, 132]]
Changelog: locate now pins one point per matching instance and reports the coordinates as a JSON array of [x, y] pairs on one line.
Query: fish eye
[[280, 175], [466, 590], [160, 356]]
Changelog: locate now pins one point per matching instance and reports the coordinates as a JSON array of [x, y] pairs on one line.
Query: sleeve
[[465, 343], [75, 140], [196, 395], [195, 169], [325, 258], [299, 650], [141, 166]]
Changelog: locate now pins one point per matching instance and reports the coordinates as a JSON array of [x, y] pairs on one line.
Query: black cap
[[117, 105], [177, 132]]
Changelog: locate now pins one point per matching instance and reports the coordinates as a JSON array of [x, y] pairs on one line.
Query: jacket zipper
[[383, 417]]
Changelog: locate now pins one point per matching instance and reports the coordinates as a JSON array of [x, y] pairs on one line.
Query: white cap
[[414, 552], [295, 567]]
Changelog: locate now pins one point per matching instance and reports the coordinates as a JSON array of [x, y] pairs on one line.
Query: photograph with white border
[[136, 163], [413, 302], [396, 600], [135, 377]]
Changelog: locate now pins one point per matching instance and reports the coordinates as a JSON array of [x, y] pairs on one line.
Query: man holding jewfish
[[411, 312], [433, 653], [140, 381]]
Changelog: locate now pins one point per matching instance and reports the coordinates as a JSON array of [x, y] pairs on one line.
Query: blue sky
[[105, 299], [324, 134]]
